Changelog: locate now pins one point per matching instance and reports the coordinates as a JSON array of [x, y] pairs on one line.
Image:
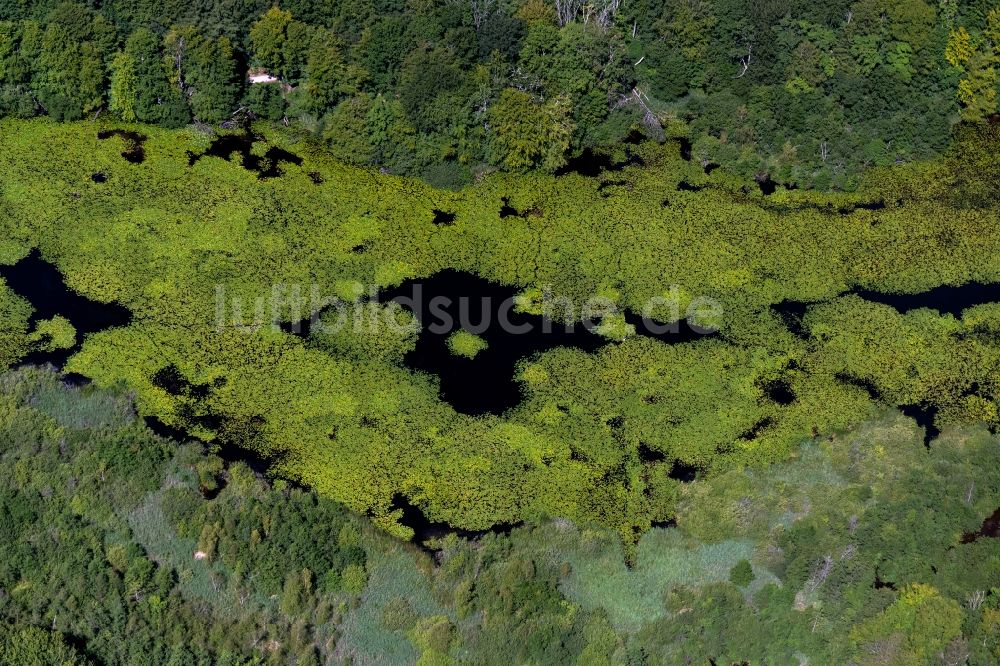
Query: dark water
[[266, 166], [791, 314], [593, 163], [757, 428], [780, 392], [227, 450], [865, 385], [686, 148], [945, 299], [41, 284], [134, 151], [506, 210], [486, 384], [989, 530], [425, 530], [685, 186], [679, 470], [443, 218], [170, 379], [925, 416]]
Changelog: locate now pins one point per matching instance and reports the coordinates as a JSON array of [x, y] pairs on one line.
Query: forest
[[762, 431], [808, 94], [744, 496], [122, 547]]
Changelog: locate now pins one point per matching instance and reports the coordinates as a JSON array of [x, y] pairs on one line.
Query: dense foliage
[[597, 437], [809, 93], [120, 547]]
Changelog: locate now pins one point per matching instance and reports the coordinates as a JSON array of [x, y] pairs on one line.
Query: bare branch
[[481, 10], [745, 62]]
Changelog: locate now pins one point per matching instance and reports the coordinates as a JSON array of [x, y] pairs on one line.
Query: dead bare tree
[[970, 492], [649, 117], [607, 14], [884, 650], [481, 10], [819, 575], [975, 600], [176, 46], [745, 62], [566, 10], [956, 653]]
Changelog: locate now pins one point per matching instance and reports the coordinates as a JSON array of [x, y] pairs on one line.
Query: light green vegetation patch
[[14, 313], [344, 415], [52, 334], [633, 596], [465, 344]]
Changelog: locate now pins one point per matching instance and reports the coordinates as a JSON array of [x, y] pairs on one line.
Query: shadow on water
[[780, 392], [593, 162], [945, 299], [229, 452], [791, 314], [450, 300], [425, 530], [42, 285], [267, 165], [989, 530], [679, 470], [134, 151], [925, 416]]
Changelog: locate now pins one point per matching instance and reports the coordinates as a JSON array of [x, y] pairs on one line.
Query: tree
[[426, 74], [123, 87], [526, 133], [266, 101], [977, 92], [326, 73], [69, 76], [156, 100], [959, 48], [741, 574], [213, 80], [346, 130], [267, 40], [31, 646]]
